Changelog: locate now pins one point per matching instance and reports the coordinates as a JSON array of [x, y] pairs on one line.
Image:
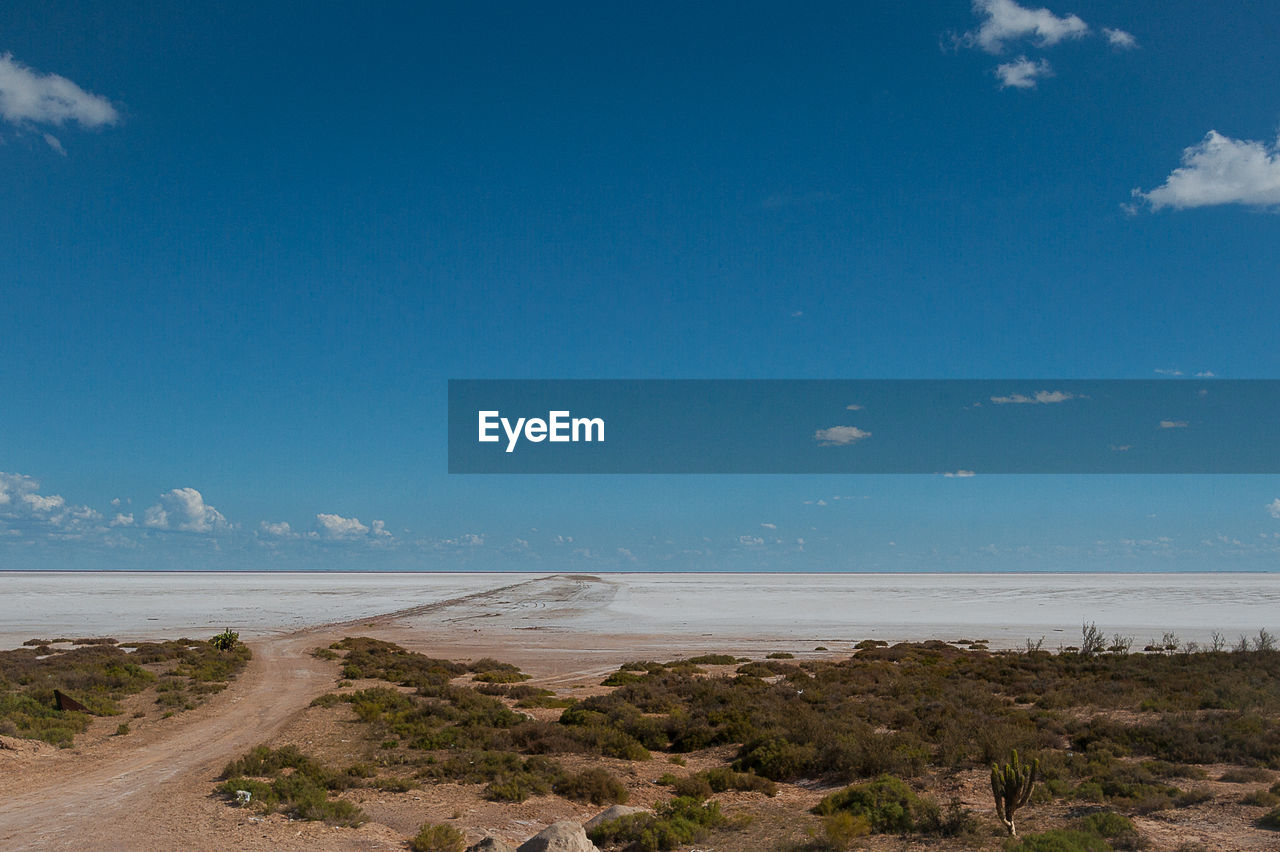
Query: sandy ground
[[150, 790], [1007, 609]]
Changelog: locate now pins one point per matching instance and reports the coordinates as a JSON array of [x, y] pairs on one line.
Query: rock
[[491, 844], [563, 836], [610, 813]]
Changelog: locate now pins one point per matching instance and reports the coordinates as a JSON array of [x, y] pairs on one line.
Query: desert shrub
[[489, 670], [296, 784], [433, 837], [842, 828], [594, 785], [1060, 840], [1261, 798], [714, 660], [1270, 819], [677, 822], [888, 804], [1246, 775], [777, 758], [780, 655], [1118, 830]]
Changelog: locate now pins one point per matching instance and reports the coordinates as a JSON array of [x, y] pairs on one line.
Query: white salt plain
[[1007, 609]]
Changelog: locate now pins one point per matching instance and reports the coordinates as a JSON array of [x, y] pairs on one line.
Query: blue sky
[[244, 246]]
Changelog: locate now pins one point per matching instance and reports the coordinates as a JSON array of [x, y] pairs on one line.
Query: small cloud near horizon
[[1173, 424], [959, 474], [1043, 397], [840, 436]]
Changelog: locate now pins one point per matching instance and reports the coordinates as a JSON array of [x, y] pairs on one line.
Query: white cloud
[[338, 528], [276, 530], [1205, 374], [29, 97], [21, 504], [1169, 372], [626, 555], [769, 526], [122, 520], [379, 529], [184, 509], [1121, 448], [854, 407], [959, 474], [840, 436], [1022, 73], [465, 540], [1274, 508], [750, 541], [1220, 170], [1043, 397], [1119, 38], [1173, 424], [1005, 20]]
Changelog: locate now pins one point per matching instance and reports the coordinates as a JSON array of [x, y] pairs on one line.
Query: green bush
[[1270, 820], [594, 785], [675, 823], [888, 804], [842, 828], [296, 784], [226, 640], [434, 837]]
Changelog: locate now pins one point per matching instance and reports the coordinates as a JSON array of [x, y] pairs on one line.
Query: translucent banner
[[957, 427]]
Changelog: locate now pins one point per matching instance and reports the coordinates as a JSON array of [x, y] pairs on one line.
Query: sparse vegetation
[[288, 781], [888, 805], [888, 721], [679, 821], [98, 673], [433, 837]]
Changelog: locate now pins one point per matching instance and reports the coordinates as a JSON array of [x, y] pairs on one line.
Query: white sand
[[1004, 608]]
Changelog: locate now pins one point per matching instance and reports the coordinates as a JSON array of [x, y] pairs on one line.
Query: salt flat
[[684, 608]]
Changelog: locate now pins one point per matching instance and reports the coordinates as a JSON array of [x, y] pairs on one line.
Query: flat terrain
[[152, 789]]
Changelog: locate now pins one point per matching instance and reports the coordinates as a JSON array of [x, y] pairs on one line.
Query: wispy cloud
[[1120, 39], [1022, 73], [1173, 424], [854, 407], [1041, 397], [840, 436], [1274, 508], [959, 474], [28, 97], [1220, 170]]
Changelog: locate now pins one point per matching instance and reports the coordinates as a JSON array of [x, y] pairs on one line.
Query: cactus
[[1011, 787]]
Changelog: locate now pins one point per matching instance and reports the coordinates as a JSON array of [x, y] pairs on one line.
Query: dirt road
[[150, 790]]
